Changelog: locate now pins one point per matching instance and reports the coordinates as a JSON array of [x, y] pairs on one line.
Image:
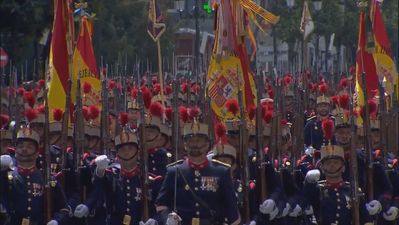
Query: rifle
[[79, 136], [47, 170], [395, 122], [276, 126], [104, 114], [64, 128], [259, 135], [144, 158], [382, 116], [175, 125], [354, 168], [244, 158]]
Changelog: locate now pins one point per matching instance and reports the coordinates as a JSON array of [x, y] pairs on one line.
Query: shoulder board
[[175, 163], [220, 163], [311, 118]]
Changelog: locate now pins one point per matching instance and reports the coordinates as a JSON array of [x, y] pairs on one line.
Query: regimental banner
[[155, 25], [225, 77], [85, 67]]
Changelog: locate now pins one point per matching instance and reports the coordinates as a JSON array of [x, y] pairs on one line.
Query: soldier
[[313, 132], [120, 185], [5, 134], [331, 198], [198, 190], [23, 187]]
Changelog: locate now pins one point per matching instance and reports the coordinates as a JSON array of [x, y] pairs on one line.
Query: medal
[[195, 221], [126, 220], [25, 221]]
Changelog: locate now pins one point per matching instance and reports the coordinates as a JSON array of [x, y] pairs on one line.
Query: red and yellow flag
[[85, 66], [58, 60], [385, 66], [364, 63]]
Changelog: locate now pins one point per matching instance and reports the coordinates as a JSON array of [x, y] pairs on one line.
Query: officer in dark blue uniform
[[331, 198], [313, 130], [197, 190], [120, 185], [23, 187]]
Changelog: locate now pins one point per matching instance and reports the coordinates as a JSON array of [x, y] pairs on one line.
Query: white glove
[[52, 222], [173, 219], [81, 211], [273, 214], [150, 221], [296, 211], [253, 222], [309, 151], [286, 210], [309, 211], [312, 176], [373, 207], [267, 206], [391, 214], [102, 163], [5, 162]]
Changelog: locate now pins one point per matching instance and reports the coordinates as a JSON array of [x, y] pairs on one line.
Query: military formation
[[301, 156]]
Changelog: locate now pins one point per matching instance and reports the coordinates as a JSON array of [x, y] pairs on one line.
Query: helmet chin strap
[[336, 171], [124, 159]]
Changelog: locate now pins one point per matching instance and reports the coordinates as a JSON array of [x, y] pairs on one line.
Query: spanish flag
[[364, 63], [85, 66], [58, 60], [385, 66]]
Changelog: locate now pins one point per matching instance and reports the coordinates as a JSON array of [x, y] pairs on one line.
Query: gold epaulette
[[220, 163], [311, 118], [175, 163]]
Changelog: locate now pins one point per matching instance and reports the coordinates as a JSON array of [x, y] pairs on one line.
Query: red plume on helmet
[[193, 112], [343, 82], [123, 118], [168, 90], [21, 91], [58, 114], [334, 99], [287, 79], [183, 87], [40, 109], [41, 83], [344, 101], [267, 115], [220, 131], [372, 107], [327, 126], [94, 112], [133, 93], [168, 113], [146, 96], [196, 88], [156, 88], [30, 114], [29, 98], [86, 87], [85, 111], [156, 109], [4, 120], [323, 88], [352, 70], [183, 114], [232, 106], [111, 84], [251, 111]]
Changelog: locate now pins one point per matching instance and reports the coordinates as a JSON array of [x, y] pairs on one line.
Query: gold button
[[127, 210], [153, 161], [196, 205], [28, 177], [197, 213], [335, 189], [338, 207], [337, 214], [28, 183], [128, 187], [337, 194], [196, 179], [128, 202], [154, 169], [128, 181], [29, 191], [128, 194], [338, 200], [196, 188], [29, 199], [29, 208]]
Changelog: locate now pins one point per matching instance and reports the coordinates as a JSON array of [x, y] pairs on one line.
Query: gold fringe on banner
[[266, 15]]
